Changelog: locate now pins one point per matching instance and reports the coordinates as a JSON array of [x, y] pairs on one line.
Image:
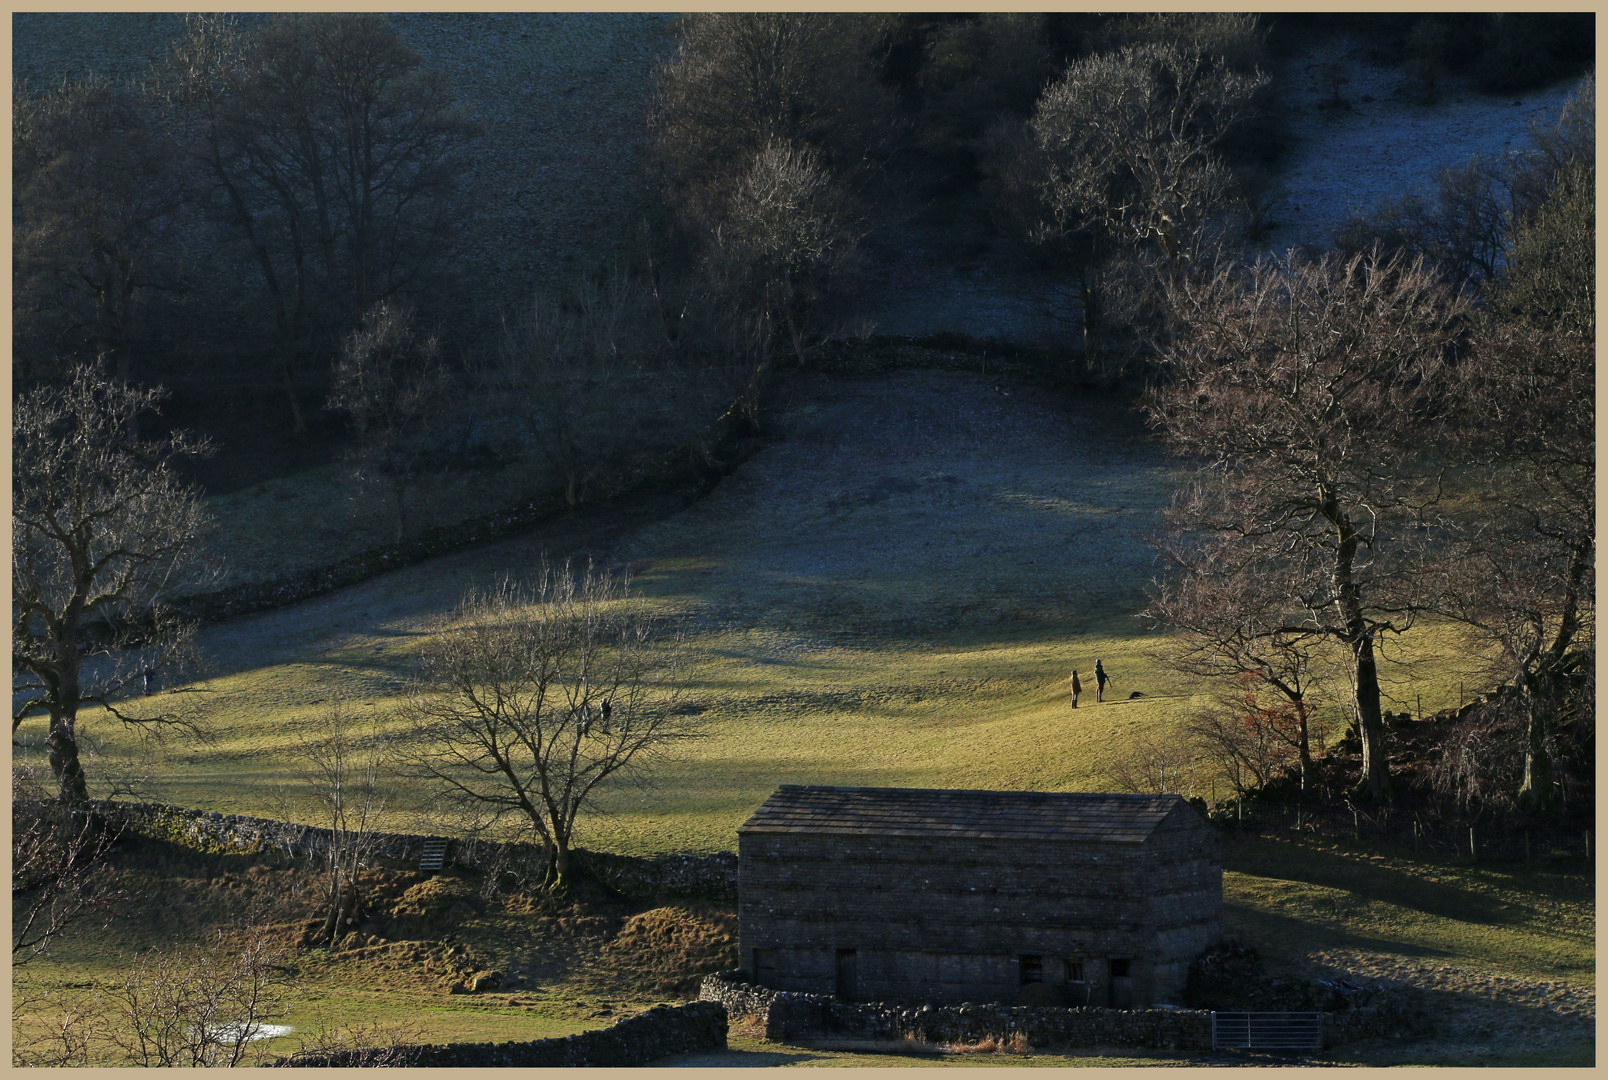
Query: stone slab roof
[[1089, 817]]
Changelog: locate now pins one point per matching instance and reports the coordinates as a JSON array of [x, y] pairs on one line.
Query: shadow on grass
[[1368, 881], [1333, 934]]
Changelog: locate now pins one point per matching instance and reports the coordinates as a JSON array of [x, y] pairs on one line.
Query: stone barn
[[903, 894]]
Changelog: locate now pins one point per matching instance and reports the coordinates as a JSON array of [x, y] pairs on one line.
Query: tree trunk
[[1537, 793], [64, 764], [1375, 781], [401, 510], [1304, 747], [1357, 635], [1541, 692], [296, 417], [342, 909], [1089, 316], [63, 738], [550, 852]]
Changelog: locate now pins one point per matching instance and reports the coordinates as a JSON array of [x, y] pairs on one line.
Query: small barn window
[[1074, 971], [1032, 969]]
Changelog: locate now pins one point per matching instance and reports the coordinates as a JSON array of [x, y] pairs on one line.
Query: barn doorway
[[848, 975], [765, 967], [1121, 983], [1029, 969]]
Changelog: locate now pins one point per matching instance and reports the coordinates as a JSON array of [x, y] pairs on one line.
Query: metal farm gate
[[1267, 1031]]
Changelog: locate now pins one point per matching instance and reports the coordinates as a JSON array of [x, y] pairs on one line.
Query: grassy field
[[893, 592]]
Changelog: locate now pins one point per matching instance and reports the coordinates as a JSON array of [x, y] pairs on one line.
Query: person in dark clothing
[[1077, 688], [150, 681], [608, 714], [1100, 680]]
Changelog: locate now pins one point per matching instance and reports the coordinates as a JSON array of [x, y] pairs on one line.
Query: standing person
[[150, 681], [1100, 679], [1077, 688]]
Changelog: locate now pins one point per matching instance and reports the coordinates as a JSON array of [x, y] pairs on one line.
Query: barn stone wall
[[1183, 896], [948, 920]]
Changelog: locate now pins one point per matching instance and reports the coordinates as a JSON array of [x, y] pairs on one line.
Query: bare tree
[[739, 82], [1237, 37], [1157, 763], [199, 1006], [1241, 626], [977, 70], [57, 870], [333, 152], [1572, 139], [96, 187], [1525, 597], [784, 230], [1130, 138], [391, 383], [371, 1045], [346, 770], [529, 699], [1243, 739], [1480, 766], [1307, 388], [1123, 151], [102, 532], [68, 1026], [1551, 262], [767, 129], [605, 372], [1524, 579]]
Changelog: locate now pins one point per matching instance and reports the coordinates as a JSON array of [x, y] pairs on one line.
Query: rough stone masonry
[[1037, 898]]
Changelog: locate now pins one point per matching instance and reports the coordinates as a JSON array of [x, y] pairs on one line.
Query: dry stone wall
[[558, 174], [711, 877], [786, 1015]]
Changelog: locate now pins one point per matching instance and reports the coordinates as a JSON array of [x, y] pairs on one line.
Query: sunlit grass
[[990, 713], [1535, 921], [894, 595]]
